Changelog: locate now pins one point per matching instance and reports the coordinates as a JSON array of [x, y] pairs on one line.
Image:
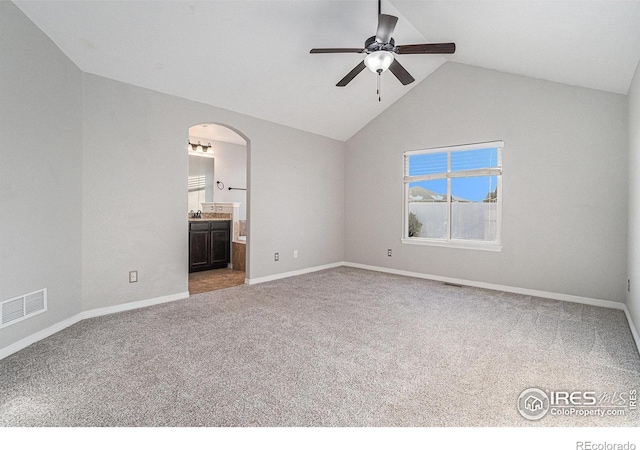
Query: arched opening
[[218, 207]]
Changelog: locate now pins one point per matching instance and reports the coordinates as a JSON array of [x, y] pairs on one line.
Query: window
[[453, 196]]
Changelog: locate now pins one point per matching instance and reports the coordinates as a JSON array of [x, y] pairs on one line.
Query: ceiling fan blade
[[415, 49], [401, 73], [336, 50], [351, 75], [386, 25]]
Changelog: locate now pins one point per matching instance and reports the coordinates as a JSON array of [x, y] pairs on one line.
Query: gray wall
[[40, 173], [105, 191], [135, 193], [564, 222], [633, 269]]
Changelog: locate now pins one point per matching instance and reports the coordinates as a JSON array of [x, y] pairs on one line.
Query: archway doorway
[[218, 207]]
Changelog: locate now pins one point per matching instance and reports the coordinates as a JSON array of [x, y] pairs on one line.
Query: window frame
[[496, 245]]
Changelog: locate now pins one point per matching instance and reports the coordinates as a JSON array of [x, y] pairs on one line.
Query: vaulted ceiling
[[253, 56]]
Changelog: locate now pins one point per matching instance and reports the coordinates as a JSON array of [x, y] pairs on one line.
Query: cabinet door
[[199, 250], [220, 245]]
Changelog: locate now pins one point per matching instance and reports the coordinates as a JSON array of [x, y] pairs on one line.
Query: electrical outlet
[[295, 253], [133, 276], [276, 256], [388, 252]]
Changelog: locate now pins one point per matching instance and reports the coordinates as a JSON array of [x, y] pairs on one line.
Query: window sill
[[466, 245]]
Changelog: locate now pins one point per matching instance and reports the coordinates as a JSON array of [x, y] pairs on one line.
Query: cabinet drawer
[[199, 226], [220, 225]]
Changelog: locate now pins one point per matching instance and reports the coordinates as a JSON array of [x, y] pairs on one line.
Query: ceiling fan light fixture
[[379, 61]]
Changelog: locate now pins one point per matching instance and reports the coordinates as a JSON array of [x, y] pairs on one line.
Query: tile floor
[[212, 280]]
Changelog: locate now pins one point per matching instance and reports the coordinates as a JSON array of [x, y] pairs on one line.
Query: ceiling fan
[[381, 50]]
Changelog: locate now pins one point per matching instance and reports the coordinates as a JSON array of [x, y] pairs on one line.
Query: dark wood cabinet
[[209, 245]]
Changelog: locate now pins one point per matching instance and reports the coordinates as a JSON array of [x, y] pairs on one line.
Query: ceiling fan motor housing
[[371, 45]]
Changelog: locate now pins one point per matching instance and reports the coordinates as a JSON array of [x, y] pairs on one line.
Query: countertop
[[215, 219], [211, 217]]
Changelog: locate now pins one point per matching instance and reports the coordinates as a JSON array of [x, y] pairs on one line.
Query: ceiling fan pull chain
[[378, 91]]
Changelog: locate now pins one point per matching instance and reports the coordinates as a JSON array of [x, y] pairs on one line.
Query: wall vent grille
[[19, 308]]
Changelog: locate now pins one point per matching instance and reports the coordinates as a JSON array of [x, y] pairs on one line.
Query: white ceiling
[[253, 56], [594, 44]]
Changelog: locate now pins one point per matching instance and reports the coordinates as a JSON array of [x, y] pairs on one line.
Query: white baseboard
[[32, 339], [134, 305], [495, 287], [293, 273], [634, 331]]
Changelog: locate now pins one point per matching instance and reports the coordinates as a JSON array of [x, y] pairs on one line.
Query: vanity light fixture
[[200, 149]]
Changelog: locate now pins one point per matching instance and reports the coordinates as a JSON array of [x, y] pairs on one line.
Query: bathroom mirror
[[201, 182]]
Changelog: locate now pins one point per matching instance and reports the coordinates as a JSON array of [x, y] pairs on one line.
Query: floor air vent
[[23, 307]]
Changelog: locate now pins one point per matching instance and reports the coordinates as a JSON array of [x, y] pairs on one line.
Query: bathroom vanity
[[209, 244]]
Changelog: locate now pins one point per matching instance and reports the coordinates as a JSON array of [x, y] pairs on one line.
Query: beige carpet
[[342, 347]]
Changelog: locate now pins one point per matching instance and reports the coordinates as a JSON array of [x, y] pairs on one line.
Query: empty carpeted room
[[448, 239]]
